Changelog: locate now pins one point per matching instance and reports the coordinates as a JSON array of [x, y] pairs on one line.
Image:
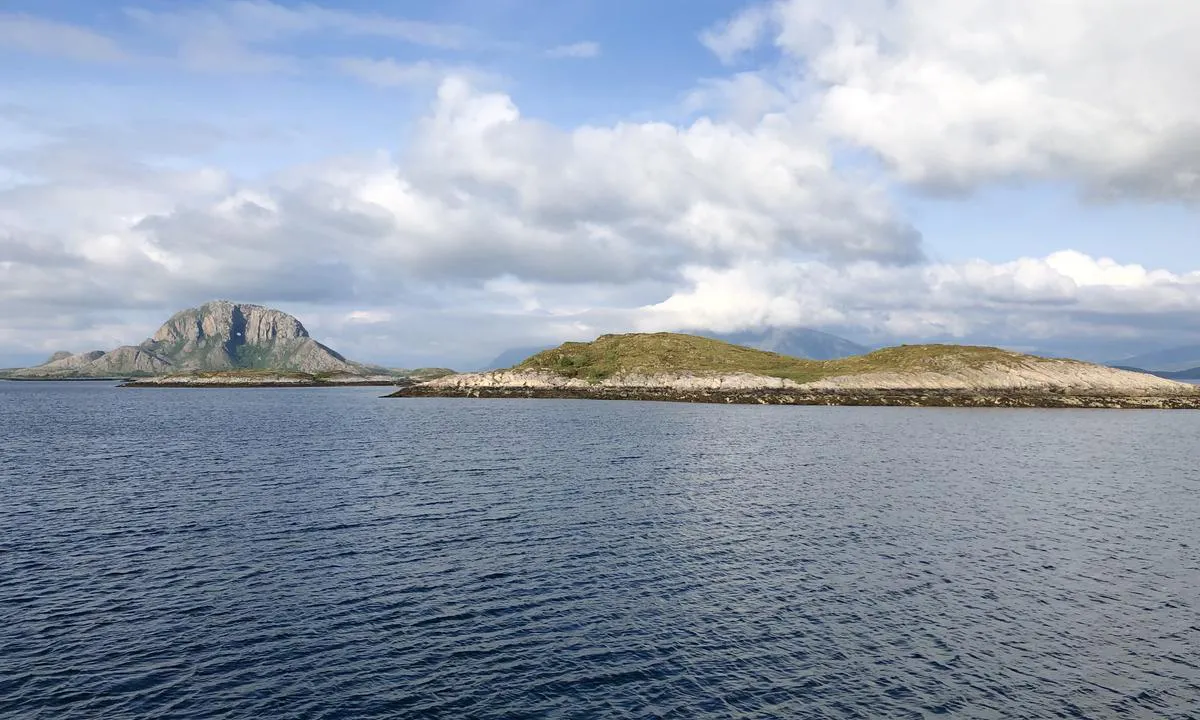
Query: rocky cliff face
[[224, 336], [128, 360], [216, 336]]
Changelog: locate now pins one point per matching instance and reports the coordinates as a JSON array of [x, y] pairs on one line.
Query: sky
[[432, 183]]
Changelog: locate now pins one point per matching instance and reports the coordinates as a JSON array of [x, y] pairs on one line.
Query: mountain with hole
[[217, 343]]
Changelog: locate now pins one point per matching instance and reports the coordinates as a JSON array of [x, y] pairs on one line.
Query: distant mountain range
[[217, 336], [795, 342], [514, 356], [1191, 374], [1185, 358]]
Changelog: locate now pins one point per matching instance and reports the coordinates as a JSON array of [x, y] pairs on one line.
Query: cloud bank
[[954, 93]]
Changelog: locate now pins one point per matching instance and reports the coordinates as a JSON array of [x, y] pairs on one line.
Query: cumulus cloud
[[729, 39], [484, 198], [484, 191], [955, 93], [1063, 294]]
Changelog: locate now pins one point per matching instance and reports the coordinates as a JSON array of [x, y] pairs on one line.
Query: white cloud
[[728, 40], [484, 201], [1061, 295], [585, 49], [368, 317], [745, 98], [712, 189], [264, 21], [954, 93], [30, 34], [244, 36]]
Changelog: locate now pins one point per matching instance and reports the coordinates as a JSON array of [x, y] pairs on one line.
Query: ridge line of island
[[686, 368]]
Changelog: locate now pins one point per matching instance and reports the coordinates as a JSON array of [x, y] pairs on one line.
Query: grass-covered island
[[688, 368]]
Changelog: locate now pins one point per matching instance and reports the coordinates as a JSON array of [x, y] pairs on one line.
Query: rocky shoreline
[[280, 384], [679, 368], [234, 381], [62, 379], [876, 398]]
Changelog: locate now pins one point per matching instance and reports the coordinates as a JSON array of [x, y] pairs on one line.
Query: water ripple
[[324, 554]]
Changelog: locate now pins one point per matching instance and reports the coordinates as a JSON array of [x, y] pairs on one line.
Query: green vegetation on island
[[654, 353], [689, 368]]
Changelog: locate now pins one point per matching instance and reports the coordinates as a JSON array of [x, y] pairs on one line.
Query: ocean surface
[[327, 554]]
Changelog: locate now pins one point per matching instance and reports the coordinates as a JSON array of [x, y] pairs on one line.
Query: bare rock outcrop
[[128, 360], [223, 335], [1029, 374]]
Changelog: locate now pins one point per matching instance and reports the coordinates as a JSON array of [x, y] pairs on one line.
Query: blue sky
[[476, 174]]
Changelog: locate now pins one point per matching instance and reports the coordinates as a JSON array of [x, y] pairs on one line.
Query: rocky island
[[223, 344], [689, 368]]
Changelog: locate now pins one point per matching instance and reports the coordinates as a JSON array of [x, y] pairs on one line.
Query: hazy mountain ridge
[[1184, 358], [795, 342], [513, 356]]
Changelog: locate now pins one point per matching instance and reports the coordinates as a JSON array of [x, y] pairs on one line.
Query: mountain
[[514, 356], [674, 366], [1173, 359], [1187, 375], [217, 336], [795, 342]]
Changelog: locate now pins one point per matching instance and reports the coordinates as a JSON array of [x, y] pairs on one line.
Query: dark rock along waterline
[[245, 553], [865, 398]]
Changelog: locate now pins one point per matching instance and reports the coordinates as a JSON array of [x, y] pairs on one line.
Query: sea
[[325, 553]]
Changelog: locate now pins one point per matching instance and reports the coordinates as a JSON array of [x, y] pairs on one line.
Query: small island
[[688, 368], [282, 378]]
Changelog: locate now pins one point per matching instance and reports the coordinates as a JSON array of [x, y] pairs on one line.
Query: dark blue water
[[326, 554]]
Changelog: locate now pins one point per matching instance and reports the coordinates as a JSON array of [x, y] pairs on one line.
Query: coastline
[[217, 382], [233, 381], [66, 379], [217, 386], [825, 397]]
